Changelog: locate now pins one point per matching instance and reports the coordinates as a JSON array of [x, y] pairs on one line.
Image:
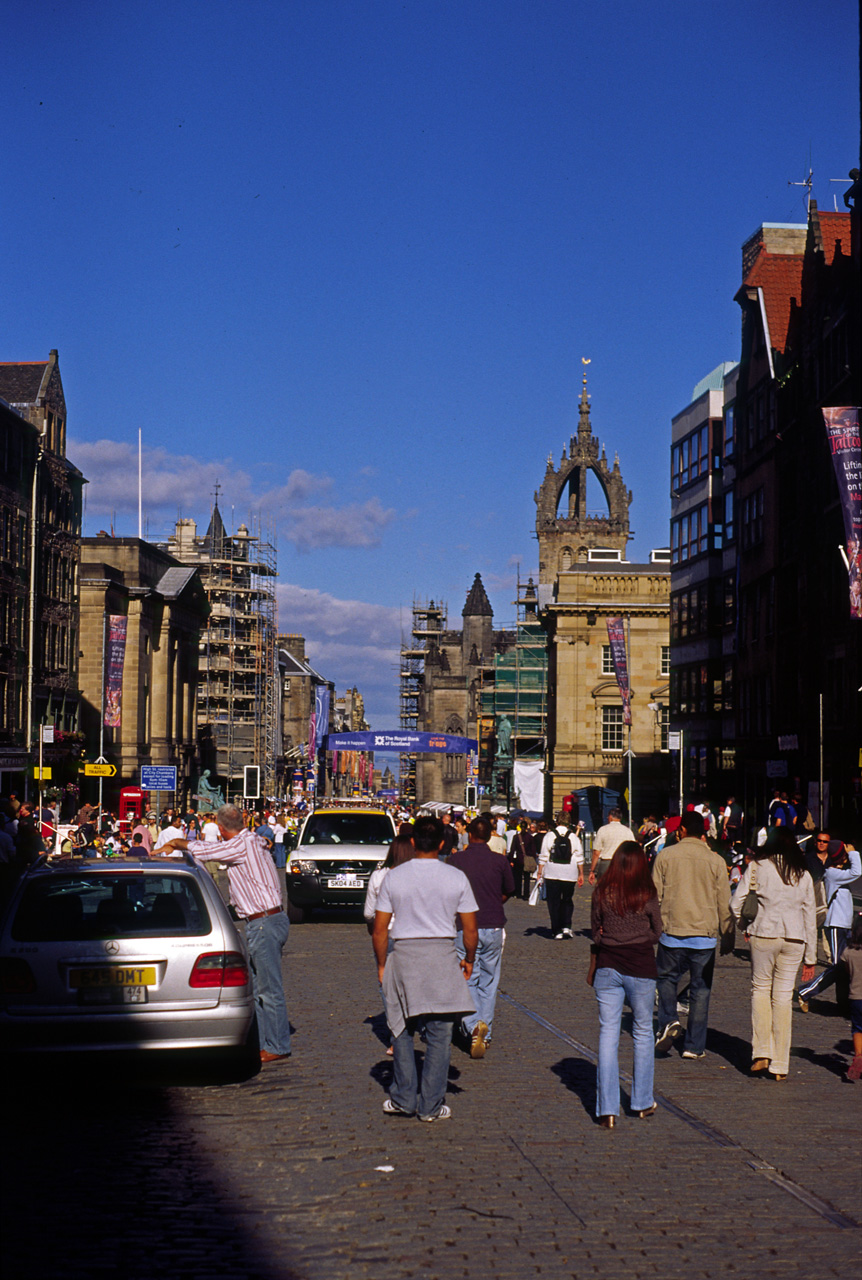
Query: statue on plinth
[[209, 797]]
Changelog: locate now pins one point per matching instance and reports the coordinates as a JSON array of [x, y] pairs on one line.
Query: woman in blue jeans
[[626, 925]]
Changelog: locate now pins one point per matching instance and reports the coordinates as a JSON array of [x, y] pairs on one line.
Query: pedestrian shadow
[[538, 931], [735, 1051], [380, 1027], [835, 1062], [579, 1077], [381, 1073]]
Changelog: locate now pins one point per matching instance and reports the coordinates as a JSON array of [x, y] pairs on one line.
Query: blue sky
[[345, 258]]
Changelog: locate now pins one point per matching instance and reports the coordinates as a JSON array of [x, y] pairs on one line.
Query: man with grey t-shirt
[[421, 976]]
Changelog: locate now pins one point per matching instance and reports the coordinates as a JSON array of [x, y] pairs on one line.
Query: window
[[752, 519], [664, 718], [612, 728], [690, 535], [664, 660], [607, 661], [729, 434], [454, 769]]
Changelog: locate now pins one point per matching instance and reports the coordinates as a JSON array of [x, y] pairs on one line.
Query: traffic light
[[251, 781], [470, 796]]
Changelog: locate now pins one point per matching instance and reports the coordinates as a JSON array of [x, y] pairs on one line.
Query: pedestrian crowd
[[664, 903]]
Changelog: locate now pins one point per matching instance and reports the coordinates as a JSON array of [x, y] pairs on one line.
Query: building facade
[[703, 585], [165, 611], [455, 667], [40, 529], [237, 704], [585, 580]]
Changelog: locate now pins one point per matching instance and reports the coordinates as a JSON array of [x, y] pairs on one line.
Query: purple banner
[[114, 656], [842, 431], [321, 713], [617, 638]]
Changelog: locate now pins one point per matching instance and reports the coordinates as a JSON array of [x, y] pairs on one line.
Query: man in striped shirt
[[255, 892]]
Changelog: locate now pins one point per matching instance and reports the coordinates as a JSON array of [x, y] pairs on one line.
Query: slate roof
[[215, 534], [20, 381], [478, 605], [173, 581]]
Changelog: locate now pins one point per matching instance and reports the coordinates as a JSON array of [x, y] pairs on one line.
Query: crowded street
[[138, 1168]]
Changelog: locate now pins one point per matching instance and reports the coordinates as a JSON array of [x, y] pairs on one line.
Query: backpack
[[561, 849]]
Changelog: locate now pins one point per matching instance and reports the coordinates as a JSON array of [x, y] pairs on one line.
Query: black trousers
[[560, 896]]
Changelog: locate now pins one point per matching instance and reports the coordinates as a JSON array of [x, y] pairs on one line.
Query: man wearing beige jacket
[[694, 896]]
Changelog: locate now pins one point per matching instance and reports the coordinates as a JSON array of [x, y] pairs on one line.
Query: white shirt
[[210, 831], [169, 833], [561, 870]]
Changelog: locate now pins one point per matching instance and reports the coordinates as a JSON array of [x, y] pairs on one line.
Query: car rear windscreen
[[348, 828], [74, 908]]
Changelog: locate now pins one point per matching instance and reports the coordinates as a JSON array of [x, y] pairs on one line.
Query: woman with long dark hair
[[782, 935], [626, 925]]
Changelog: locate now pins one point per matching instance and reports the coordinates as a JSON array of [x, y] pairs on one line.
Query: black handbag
[[748, 911]]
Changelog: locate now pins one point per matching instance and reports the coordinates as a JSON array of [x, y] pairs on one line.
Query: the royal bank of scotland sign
[[398, 740]]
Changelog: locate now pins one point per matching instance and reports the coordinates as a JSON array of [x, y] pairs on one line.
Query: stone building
[[238, 695], [40, 528], [456, 664], [166, 610], [298, 685], [584, 579]]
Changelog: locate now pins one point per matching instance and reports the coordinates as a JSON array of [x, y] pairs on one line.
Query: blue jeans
[[672, 963], [266, 938], [613, 990], [406, 1092], [279, 854], [485, 978]]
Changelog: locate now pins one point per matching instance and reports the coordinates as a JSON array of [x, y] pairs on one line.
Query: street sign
[[100, 770], [158, 777], [673, 741], [43, 774]]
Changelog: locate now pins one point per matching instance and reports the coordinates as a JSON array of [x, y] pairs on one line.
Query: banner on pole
[[114, 657], [617, 638], [842, 431]]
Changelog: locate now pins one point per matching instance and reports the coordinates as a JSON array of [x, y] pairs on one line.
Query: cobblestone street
[[296, 1172]]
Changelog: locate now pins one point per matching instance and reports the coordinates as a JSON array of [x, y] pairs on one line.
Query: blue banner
[[401, 740]]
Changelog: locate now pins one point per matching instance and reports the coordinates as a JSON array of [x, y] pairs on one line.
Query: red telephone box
[[133, 805]]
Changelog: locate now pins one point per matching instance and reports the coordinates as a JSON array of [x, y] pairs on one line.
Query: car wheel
[[297, 915]]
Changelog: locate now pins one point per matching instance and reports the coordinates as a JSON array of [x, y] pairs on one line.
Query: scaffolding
[[518, 685], [237, 673], [429, 621]]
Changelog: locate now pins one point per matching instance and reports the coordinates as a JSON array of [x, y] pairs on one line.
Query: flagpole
[[140, 499], [629, 666]]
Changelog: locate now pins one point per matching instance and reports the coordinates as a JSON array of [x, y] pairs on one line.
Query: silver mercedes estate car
[[122, 954]]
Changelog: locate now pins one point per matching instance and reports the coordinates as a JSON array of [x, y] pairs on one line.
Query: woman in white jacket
[[782, 934]]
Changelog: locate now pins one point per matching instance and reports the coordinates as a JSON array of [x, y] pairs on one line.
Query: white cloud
[[180, 484], [350, 642]]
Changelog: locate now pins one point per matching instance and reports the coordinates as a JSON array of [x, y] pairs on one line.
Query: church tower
[[567, 535]]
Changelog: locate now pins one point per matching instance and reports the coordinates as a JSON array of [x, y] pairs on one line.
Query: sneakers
[[854, 1071], [392, 1109], [689, 1053], [445, 1113], [567, 933], [479, 1040], [557, 937], [667, 1035]]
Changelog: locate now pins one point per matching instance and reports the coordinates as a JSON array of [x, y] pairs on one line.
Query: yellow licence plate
[[113, 975]]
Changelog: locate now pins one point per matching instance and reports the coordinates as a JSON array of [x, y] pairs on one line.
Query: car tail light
[[219, 969], [16, 977]]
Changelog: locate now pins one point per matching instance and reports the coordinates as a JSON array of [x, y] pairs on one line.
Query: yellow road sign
[[100, 770], [43, 775]]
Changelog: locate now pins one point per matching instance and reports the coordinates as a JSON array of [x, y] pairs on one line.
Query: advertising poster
[[114, 656], [842, 432], [617, 638]]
